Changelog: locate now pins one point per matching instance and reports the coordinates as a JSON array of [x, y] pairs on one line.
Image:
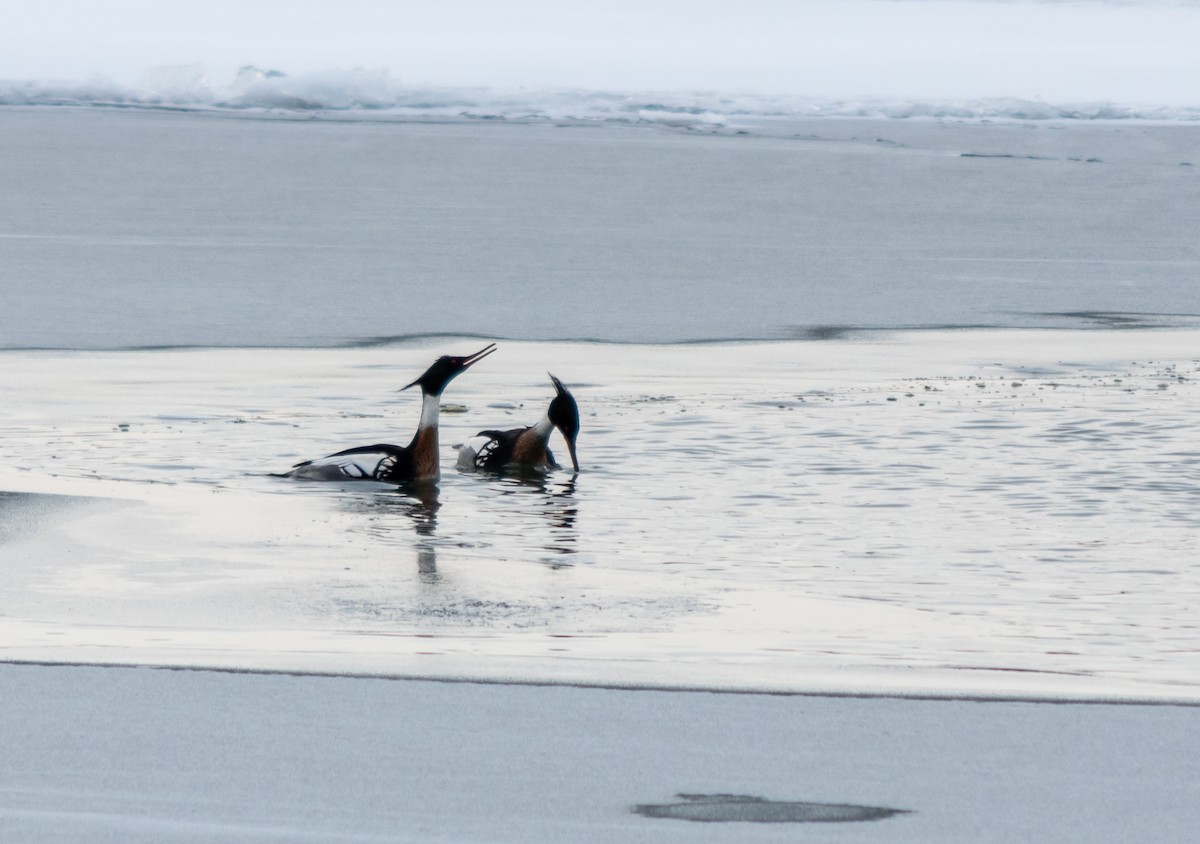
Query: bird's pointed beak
[[574, 459], [470, 360], [449, 367]]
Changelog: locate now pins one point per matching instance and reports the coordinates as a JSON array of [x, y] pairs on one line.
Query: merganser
[[418, 461], [493, 450]]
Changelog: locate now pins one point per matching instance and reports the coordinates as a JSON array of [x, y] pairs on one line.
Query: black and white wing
[[488, 451], [364, 463]]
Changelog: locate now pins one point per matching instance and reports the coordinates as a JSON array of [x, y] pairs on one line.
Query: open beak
[[478, 356], [456, 366]]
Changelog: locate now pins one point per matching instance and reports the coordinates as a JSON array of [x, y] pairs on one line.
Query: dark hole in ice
[[718, 808]]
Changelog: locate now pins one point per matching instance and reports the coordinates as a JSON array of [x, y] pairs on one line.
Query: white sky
[[921, 48]]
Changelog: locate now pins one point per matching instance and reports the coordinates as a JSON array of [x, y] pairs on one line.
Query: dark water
[[726, 808], [142, 229]]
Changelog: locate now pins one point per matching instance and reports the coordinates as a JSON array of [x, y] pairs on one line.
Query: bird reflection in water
[[418, 503], [532, 494], [423, 507], [554, 500]]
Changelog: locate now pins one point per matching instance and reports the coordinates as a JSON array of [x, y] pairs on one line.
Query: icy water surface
[[831, 506], [124, 230], [1000, 512]]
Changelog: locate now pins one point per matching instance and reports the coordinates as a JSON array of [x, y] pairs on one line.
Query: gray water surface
[[131, 229]]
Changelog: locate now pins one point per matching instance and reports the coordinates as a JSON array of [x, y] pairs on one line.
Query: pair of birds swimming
[[418, 461]]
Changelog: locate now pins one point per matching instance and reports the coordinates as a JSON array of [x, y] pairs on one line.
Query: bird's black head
[[564, 415], [445, 369]]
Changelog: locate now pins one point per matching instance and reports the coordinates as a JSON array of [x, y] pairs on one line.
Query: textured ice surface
[[367, 53]]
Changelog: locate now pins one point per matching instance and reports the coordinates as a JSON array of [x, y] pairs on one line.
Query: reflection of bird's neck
[[425, 443], [426, 524], [427, 563], [425, 515]]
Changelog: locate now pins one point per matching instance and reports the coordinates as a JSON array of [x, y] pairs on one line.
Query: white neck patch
[[544, 427], [430, 405]]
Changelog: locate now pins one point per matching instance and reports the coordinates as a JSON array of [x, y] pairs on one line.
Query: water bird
[[526, 447], [418, 461]]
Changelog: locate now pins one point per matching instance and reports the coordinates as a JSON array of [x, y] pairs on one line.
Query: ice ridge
[[374, 95]]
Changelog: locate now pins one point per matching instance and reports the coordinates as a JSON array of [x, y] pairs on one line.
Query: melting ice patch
[[976, 510]]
